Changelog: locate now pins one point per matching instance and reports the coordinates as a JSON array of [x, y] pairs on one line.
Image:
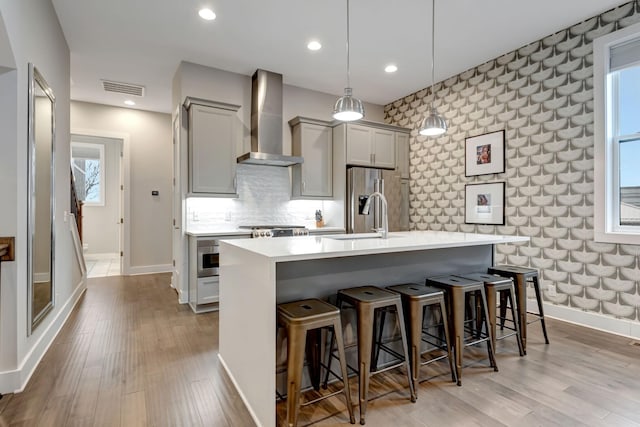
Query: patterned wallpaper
[[542, 96]]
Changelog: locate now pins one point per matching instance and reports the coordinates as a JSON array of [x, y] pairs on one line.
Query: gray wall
[[30, 32], [542, 94], [150, 157]]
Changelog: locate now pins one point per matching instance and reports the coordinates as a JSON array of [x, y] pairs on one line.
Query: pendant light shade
[[348, 108], [434, 124]]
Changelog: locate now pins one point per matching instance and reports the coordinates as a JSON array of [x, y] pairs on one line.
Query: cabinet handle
[[304, 186], [235, 182], [374, 158]]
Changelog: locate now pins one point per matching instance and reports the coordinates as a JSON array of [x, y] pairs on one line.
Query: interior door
[[177, 208]]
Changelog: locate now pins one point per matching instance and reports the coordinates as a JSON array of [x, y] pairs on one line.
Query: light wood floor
[[131, 356]]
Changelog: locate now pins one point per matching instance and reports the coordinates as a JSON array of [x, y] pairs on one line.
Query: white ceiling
[[143, 41]]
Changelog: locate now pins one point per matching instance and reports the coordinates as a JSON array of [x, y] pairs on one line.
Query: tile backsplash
[[264, 197]]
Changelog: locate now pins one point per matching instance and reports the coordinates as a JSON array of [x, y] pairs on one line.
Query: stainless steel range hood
[[266, 122]]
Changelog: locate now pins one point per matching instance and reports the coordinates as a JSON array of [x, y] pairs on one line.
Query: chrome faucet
[[365, 210]]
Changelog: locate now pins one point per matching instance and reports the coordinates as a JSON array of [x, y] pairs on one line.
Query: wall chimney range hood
[[266, 122]]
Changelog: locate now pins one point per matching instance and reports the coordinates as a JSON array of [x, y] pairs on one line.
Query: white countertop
[[214, 230], [318, 247]]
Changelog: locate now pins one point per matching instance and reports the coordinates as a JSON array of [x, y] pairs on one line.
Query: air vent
[[126, 88]]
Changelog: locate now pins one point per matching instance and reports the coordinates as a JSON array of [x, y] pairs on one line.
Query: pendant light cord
[[433, 52], [348, 70]]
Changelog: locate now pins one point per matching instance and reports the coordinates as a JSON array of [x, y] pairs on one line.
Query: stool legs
[[365, 338], [295, 360], [491, 308], [521, 302], [536, 286], [407, 363], [337, 329]]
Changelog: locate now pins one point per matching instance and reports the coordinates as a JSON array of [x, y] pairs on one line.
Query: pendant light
[[347, 107], [434, 124]]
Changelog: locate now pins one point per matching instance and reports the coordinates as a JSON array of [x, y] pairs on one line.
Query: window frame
[[101, 149], [606, 146]]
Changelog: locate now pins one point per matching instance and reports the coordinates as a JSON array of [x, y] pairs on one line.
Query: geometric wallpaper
[[542, 96]]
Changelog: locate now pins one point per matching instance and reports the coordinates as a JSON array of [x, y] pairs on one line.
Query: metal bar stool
[[369, 301], [520, 276], [415, 300], [503, 286], [457, 289], [302, 319]]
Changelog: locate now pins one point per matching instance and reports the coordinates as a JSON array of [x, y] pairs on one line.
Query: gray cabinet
[[372, 144], [402, 154], [313, 140], [213, 136]]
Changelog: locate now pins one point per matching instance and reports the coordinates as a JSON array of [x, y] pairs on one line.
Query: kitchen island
[[260, 273]]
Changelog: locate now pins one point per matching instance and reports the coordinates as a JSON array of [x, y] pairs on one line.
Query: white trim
[[624, 327], [77, 244], [125, 171], [16, 380], [151, 269], [242, 396], [604, 179]]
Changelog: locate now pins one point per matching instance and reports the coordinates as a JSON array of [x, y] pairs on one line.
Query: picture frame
[[484, 154], [484, 203]]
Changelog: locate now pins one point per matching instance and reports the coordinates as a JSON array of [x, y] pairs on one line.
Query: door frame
[[125, 181]]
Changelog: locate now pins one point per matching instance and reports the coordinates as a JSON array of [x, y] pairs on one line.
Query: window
[[87, 164], [617, 136]]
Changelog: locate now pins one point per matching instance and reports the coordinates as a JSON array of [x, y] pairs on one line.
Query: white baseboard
[[15, 381], [150, 269], [624, 327]]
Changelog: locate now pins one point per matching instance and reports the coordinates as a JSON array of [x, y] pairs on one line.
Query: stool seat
[[457, 288], [514, 269], [307, 310], [303, 320], [368, 294], [416, 291]]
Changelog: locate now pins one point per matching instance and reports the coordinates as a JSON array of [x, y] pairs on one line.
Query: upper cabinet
[[214, 129], [372, 144], [402, 154], [313, 140]]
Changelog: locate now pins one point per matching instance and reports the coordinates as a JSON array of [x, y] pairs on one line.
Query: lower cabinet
[[204, 291]]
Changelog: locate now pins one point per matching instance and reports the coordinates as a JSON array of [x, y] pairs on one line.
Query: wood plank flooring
[[129, 355]]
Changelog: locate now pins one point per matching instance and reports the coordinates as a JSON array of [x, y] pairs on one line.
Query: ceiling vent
[[126, 88]]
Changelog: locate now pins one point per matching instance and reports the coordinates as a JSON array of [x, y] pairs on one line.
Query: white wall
[[150, 164], [35, 36]]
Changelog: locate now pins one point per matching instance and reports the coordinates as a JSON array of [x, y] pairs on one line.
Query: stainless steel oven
[[208, 258]]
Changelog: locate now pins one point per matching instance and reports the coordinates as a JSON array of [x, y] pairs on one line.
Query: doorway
[[96, 162]]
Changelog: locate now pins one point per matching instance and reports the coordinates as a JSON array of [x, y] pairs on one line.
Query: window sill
[[617, 237]]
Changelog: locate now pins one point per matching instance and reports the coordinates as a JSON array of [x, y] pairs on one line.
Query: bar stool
[[302, 319], [457, 289], [520, 276], [368, 302], [503, 286], [415, 299]]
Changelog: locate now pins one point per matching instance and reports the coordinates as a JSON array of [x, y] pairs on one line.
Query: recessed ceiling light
[[390, 68], [207, 14], [314, 45], [129, 102]]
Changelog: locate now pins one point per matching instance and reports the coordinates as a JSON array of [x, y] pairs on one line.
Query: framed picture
[[484, 154], [484, 203]]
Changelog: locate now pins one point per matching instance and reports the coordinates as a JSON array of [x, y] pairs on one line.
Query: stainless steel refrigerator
[[361, 182]]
